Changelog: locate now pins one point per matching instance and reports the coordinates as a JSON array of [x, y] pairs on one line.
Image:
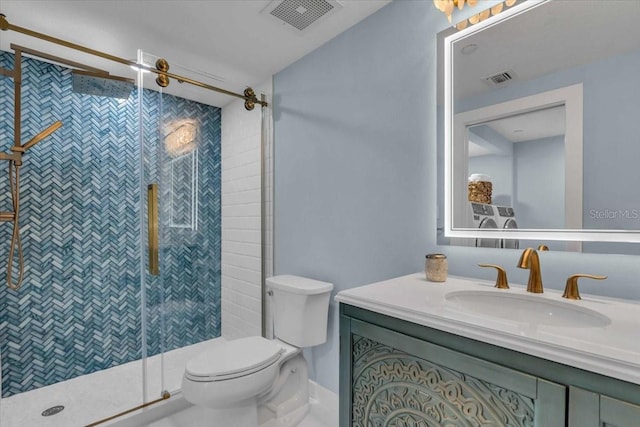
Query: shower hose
[[16, 244]]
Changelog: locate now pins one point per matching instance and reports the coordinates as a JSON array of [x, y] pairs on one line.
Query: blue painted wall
[[531, 179], [355, 170], [539, 182], [79, 310]]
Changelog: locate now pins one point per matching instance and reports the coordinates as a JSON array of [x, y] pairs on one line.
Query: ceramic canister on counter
[[435, 267]]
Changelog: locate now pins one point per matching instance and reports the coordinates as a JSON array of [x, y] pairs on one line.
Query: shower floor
[[92, 397], [96, 396]]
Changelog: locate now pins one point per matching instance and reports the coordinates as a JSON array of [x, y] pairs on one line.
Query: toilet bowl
[[232, 371], [257, 381]]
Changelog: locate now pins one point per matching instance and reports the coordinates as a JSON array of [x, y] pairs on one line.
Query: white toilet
[[256, 381]]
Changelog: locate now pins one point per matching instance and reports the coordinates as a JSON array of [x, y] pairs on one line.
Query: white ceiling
[[227, 43], [531, 126]]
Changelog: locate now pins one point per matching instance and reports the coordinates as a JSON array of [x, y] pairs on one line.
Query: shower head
[[101, 84]]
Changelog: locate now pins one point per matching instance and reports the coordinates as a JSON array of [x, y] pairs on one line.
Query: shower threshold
[[93, 397]]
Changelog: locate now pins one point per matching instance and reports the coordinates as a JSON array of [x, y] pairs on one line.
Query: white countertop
[[612, 350]]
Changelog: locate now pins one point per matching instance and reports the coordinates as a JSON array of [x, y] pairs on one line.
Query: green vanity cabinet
[[588, 409], [395, 373], [399, 380]]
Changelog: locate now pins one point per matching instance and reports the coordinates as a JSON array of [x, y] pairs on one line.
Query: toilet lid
[[234, 358]]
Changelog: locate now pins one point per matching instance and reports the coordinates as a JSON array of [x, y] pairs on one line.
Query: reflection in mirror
[[539, 48], [542, 175], [523, 157]]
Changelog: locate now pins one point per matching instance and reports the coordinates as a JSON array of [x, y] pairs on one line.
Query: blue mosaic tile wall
[[79, 310]]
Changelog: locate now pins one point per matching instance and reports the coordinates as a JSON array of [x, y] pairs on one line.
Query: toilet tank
[[300, 309]]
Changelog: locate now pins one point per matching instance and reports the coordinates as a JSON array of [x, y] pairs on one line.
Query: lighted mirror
[[539, 126]]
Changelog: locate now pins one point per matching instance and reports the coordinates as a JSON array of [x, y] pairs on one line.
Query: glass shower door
[[92, 310], [181, 176], [70, 336]]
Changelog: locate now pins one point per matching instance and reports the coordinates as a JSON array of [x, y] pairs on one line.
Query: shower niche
[[181, 142], [184, 191]]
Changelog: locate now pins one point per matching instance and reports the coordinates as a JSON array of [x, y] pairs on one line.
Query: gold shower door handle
[[152, 222]]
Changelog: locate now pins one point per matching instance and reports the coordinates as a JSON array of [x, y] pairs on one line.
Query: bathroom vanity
[[463, 353]]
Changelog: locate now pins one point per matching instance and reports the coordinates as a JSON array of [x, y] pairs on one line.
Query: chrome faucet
[[530, 260]]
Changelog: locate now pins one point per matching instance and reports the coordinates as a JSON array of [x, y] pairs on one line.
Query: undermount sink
[[531, 309]]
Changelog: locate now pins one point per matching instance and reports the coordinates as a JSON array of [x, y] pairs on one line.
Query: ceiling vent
[[300, 15], [500, 79]]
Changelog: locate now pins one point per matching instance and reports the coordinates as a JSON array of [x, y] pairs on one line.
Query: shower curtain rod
[[161, 68]]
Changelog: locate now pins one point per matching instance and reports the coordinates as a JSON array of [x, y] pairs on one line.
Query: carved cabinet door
[[396, 380]]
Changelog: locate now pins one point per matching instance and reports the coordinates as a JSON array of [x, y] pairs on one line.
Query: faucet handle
[[501, 280], [571, 290]]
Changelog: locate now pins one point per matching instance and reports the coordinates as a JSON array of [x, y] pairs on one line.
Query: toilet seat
[[233, 359]]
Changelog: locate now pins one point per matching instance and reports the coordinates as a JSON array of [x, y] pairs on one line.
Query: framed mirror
[[540, 134]]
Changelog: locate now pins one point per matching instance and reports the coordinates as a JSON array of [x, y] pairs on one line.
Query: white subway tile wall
[[241, 210]]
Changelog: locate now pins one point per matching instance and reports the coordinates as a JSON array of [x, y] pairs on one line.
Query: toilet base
[[287, 403], [283, 401], [290, 419], [243, 414]]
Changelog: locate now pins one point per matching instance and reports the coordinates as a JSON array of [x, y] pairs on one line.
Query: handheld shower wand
[[15, 162]]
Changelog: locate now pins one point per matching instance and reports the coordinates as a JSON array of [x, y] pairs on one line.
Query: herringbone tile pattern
[[79, 310]]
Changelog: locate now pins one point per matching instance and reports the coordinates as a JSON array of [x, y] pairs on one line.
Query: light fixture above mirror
[[447, 7]]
